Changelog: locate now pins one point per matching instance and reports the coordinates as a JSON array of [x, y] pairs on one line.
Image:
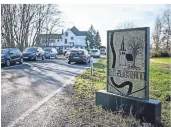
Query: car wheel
[[35, 58], [43, 57], [21, 60], [88, 60], [69, 62], [8, 62]]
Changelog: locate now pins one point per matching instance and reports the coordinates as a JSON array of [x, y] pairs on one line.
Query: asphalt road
[[23, 86]]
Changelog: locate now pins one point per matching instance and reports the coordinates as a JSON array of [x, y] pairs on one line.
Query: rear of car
[[78, 56], [95, 53], [50, 52], [11, 55]]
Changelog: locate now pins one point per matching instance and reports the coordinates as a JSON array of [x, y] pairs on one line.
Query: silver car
[[50, 52], [95, 53]]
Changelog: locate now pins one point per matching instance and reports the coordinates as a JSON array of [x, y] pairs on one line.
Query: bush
[[160, 53]]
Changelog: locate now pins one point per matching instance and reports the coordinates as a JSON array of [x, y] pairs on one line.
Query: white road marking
[[29, 111]]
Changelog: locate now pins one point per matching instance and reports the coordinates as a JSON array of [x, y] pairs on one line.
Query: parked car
[[79, 55], [103, 51], [33, 53], [50, 52], [11, 55], [95, 53], [60, 52]]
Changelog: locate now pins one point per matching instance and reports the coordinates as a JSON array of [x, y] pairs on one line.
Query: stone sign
[[128, 62], [128, 75]]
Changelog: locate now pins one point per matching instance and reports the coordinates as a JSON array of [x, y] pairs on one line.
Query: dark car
[[33, 53], [11, 55], [50, 52], [79, 55]]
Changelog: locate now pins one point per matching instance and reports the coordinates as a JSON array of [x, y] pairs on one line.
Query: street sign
[[128, 62]]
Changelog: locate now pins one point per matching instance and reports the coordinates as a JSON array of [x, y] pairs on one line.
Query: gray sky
[[107, 16]]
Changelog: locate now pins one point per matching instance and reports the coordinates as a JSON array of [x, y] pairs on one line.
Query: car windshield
[[30, 50], [47, 49], [79, 52], [94, 50], [4, 51]]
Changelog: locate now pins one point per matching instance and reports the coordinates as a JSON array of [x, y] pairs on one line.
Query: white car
[[95, 53]]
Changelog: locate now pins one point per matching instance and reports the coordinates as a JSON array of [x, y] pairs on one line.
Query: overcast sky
[[107, 16]]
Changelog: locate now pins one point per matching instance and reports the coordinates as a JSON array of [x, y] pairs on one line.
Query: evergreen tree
[[93, 37], [97, 39], [92, 31]]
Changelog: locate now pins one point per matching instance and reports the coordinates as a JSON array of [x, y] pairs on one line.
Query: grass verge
[[166, 60], [84, 111], [160, 87]]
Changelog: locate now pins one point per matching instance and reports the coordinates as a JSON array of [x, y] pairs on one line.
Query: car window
[[12, 51], [78, 52], [94, 50], [47, 49], [17, 50], [30, 49]]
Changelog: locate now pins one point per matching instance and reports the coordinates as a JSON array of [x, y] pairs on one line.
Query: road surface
[[23, 86]]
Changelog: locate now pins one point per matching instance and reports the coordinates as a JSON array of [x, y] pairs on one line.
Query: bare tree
[[166, 29], [7, 21], [52, 22], [156, 35], [125, 25], [21, 24]]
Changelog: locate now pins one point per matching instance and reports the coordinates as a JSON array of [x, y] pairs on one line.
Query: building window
[[66, 33], [65, 41], [71, 43], [58, 40], [72, 38]]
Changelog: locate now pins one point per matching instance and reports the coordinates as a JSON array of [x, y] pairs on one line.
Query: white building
[[71, 38]]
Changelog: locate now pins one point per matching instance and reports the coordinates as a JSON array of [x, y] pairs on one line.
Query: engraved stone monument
[[128, 75]]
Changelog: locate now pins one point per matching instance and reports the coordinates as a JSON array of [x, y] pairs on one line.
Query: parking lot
[[24, 85]]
